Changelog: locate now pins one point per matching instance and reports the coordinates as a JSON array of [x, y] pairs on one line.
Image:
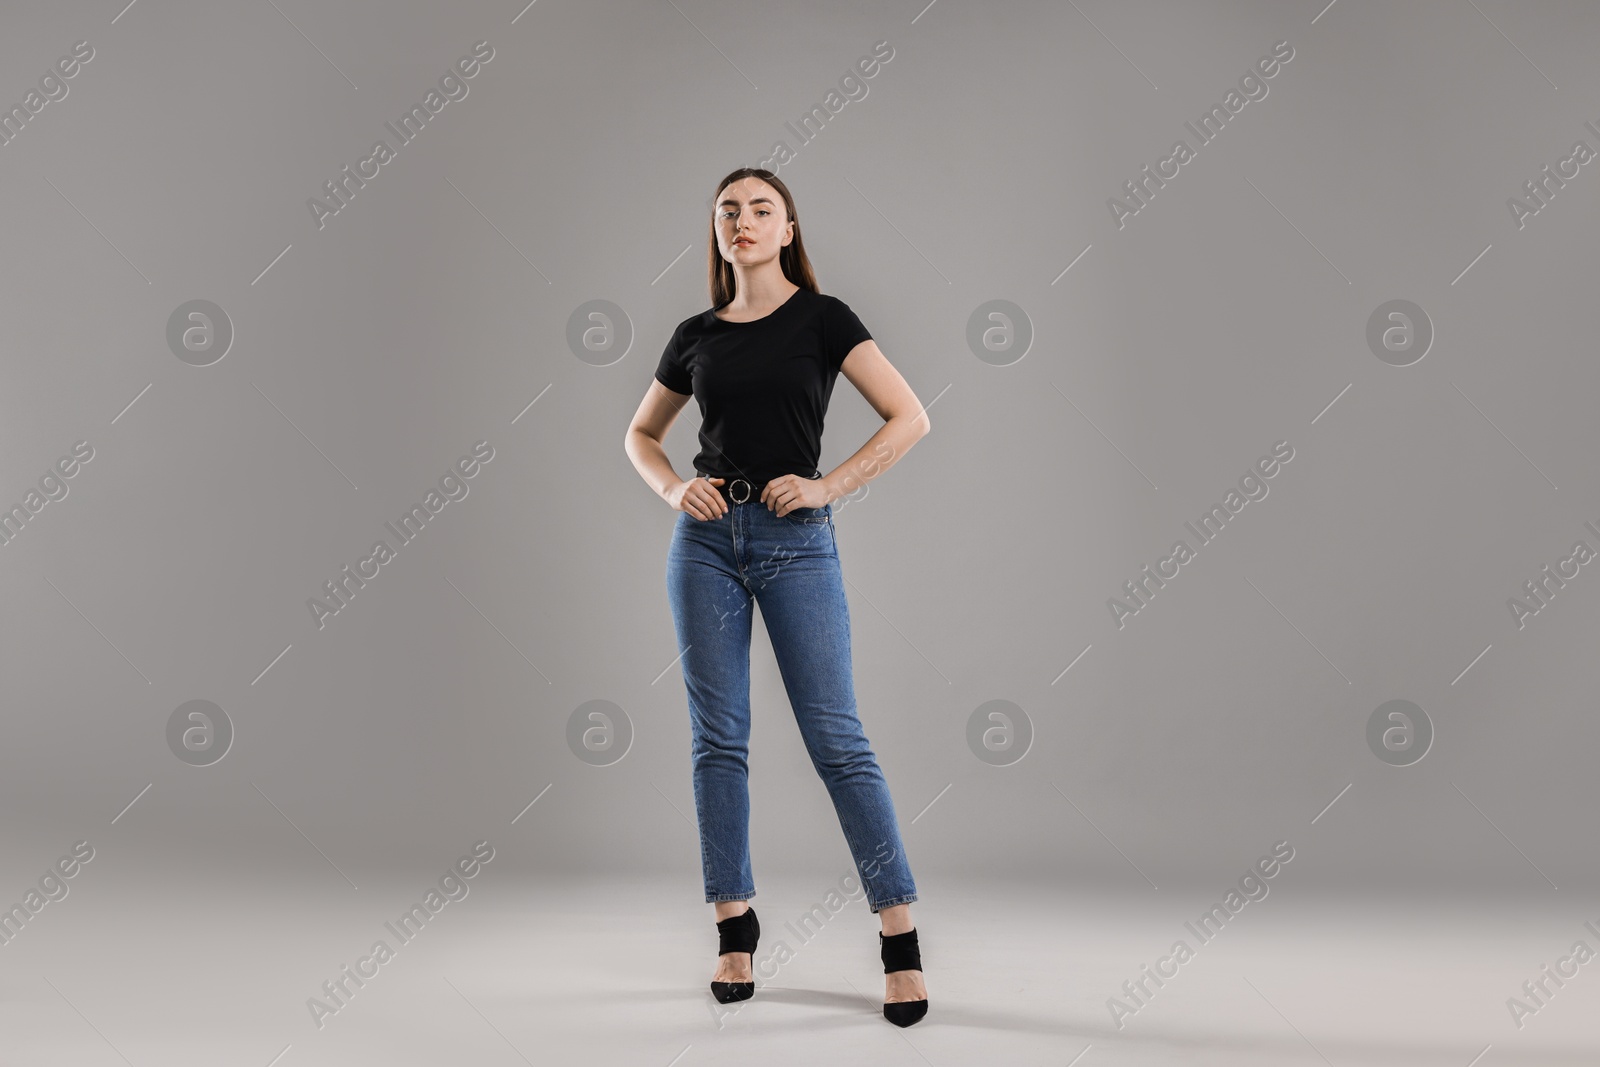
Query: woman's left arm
[[905, 419]]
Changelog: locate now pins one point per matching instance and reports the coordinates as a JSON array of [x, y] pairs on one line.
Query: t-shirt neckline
[[751, 322]]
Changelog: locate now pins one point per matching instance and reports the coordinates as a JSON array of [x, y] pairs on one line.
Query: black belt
[[739, 490]]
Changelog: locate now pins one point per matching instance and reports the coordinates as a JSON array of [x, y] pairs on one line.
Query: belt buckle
[[747, 490]]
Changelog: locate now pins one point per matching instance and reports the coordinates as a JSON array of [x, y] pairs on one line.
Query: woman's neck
[[760, 293]]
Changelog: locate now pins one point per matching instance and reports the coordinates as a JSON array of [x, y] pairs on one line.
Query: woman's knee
[[843, 757], [720, 750]]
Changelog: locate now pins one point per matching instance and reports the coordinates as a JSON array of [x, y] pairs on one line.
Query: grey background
[[428, 315]]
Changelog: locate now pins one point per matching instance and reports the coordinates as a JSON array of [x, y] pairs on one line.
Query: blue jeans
[[789, 565]]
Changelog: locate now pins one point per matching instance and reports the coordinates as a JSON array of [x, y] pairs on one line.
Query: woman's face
[[752, 223]]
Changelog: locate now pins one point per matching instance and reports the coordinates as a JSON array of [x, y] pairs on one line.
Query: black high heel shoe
[[900, 953], [738, 933]]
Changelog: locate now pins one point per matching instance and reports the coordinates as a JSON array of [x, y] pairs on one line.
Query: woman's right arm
[[643, 443]]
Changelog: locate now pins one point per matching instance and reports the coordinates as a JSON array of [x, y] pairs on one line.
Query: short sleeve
[[671, 372], [842, 332]]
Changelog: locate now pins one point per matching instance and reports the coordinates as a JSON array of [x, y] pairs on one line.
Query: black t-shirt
[[763, 386]]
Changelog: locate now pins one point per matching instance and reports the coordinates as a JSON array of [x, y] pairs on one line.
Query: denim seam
[[909, 898]]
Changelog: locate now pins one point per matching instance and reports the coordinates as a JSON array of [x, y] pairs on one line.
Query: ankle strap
[[738, 933], [900, 951]]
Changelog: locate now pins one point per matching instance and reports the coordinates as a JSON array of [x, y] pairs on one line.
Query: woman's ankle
[[896, 920], [728, 909]]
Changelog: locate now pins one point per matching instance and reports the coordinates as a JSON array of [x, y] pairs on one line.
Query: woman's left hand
[[789, 491]]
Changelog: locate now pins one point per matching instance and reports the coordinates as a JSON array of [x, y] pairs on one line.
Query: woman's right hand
[[698, 498]]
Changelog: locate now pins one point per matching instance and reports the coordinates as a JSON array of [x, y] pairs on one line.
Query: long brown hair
[[792, 257]]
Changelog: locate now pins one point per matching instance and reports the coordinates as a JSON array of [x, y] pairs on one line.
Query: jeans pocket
[[810, 516]]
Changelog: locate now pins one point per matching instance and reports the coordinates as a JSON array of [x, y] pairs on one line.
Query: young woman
[[757, 526]]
